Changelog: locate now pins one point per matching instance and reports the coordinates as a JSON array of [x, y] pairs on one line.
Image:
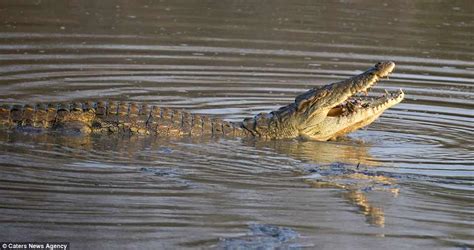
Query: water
[[413, 187]]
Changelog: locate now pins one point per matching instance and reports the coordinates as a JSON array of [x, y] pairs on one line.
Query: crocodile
[[321, 113]]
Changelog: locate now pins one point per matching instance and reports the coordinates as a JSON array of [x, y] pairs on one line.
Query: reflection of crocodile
[[339, 165], [321, 114], [356, 183]]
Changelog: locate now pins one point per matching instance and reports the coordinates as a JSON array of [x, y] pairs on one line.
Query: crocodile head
[[330, 111], [336, 109]]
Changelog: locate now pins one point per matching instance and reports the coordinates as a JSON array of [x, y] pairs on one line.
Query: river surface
[[407, 181]]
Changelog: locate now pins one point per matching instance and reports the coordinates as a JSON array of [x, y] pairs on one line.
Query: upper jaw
[[334, 94], [359, 84], [362, 82]]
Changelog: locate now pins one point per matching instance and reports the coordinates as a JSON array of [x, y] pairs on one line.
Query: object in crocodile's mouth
[[322, 113]]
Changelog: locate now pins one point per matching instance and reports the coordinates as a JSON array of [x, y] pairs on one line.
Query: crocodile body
[[323, 113]]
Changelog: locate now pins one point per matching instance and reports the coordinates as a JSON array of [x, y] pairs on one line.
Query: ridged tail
[[115, 117]]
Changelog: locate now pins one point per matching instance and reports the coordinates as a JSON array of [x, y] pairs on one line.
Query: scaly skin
[[322, 114], [115, 117]]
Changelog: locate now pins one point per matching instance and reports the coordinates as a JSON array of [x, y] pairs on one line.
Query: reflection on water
[[375, 215], [325, 168], [357, 185], [408, 177], [352, 152]]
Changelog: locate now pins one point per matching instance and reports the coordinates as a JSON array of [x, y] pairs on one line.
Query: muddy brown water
[[414, 184]]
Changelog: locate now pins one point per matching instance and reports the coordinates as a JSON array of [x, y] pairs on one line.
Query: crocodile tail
[[44, 116], [24, 116], [116, 117]]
